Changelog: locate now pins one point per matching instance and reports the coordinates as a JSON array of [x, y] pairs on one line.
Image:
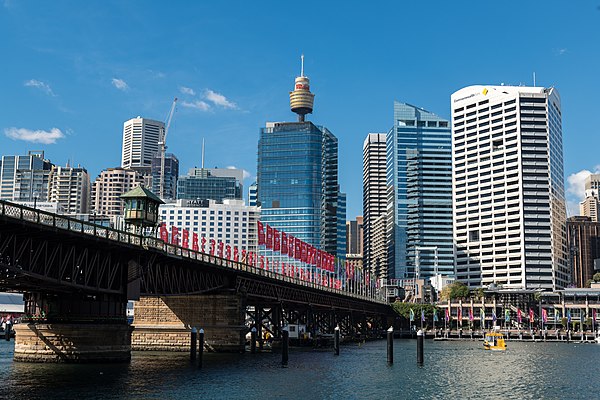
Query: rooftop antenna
[[302, 69], [202, 153], [533, 78]]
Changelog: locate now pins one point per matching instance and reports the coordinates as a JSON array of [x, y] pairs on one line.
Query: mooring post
[[200, 347], [253, 340], [390, 345], [420, 339], [193, 342], [285, 343], [336, 341]]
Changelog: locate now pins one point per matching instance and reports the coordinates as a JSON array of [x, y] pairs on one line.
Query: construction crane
[[162, 144]]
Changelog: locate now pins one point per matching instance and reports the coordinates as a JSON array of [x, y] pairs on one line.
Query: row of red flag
[[286, 244], [222, 250]]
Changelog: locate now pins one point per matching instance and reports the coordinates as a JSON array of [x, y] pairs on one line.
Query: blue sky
[[72, 72]]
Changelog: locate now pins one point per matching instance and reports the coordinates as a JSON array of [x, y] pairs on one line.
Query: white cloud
[[562, 51], [219, 100], [39, 136], [44, 87], [197, 104], [187, 90], [120, 84], [246, 174], [576, 182]]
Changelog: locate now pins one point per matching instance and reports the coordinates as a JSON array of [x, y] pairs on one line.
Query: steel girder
[[41, 261]]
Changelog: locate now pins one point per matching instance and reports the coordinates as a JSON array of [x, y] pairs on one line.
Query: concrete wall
[[164, 323]]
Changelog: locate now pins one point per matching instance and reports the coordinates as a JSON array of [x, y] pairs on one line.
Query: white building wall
[[508, 192]]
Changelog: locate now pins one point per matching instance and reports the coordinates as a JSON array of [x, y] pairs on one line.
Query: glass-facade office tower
[[508, 187], [24, 178], [214, 184], [374, 203], [171, 175], [419, 177], [297, 183]]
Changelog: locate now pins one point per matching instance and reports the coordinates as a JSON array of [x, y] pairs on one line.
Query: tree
[[403, 309], [596, 277], [456, 290]]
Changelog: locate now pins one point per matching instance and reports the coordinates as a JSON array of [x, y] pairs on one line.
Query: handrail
[[25, 213]]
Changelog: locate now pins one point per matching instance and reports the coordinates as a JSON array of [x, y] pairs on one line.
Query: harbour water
[[452, 370]]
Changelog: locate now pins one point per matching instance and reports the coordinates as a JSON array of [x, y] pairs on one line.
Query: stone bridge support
[[165, 322], [73, 328]]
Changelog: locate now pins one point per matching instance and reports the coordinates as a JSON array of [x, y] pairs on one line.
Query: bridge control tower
[[301, 99]]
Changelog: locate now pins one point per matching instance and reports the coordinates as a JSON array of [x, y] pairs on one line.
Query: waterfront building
[[211, 183], [24, 178], [354, 236], [508, 189], [419, 177], [297, 177], [374, 198], [228, 221], [108, 188], [171, 175], [583, 238], [70, 187]]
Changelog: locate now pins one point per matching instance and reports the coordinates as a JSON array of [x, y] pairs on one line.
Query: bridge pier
[[164, 323], [72, 328]]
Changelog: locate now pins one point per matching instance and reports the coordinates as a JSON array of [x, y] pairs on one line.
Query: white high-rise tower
[[140, 142], [508, 187]]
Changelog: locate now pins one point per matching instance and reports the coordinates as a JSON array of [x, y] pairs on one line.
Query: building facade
[[171, 175], [508, 189], [230, 221], [108, 188], [140, 142], [71, 188], [24, 178], [354, 236], [374, 196], [583, 238], [211, 183], [419, 177], [591, 203]]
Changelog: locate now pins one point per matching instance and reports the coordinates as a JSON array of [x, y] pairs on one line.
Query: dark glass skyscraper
[[214, 184], [419, 175], [297, 178]]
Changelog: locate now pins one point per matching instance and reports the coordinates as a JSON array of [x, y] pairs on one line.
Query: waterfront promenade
[[451, 370]]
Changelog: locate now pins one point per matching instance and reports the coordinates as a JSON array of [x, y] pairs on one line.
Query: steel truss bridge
[[71, 269]]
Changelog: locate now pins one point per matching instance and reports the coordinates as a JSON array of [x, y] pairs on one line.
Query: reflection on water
[[451, 370]]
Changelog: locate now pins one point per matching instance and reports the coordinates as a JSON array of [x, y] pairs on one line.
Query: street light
[[35, 197]]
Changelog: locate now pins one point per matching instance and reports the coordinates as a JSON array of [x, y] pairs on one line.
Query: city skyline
[[74, 74]]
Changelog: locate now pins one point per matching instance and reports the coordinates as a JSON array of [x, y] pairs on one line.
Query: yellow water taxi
[[494, 341]]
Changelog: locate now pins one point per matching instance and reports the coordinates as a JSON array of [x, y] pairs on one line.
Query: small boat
[[494, 341]]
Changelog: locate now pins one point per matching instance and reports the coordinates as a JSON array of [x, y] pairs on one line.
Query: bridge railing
[[24, 213]]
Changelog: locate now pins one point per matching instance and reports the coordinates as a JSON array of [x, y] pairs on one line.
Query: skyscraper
[[108, 188], [354, 236], [171, 175], [24, 178], [374, 199], [508, 189], [583, 237], [297, 176], [70, 187], [140, 143], [419, 177]]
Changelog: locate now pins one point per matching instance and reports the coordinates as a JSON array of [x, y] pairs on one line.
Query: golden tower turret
[[301, 99]]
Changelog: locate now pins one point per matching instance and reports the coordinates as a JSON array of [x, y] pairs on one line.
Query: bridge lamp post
[[35, 197]]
